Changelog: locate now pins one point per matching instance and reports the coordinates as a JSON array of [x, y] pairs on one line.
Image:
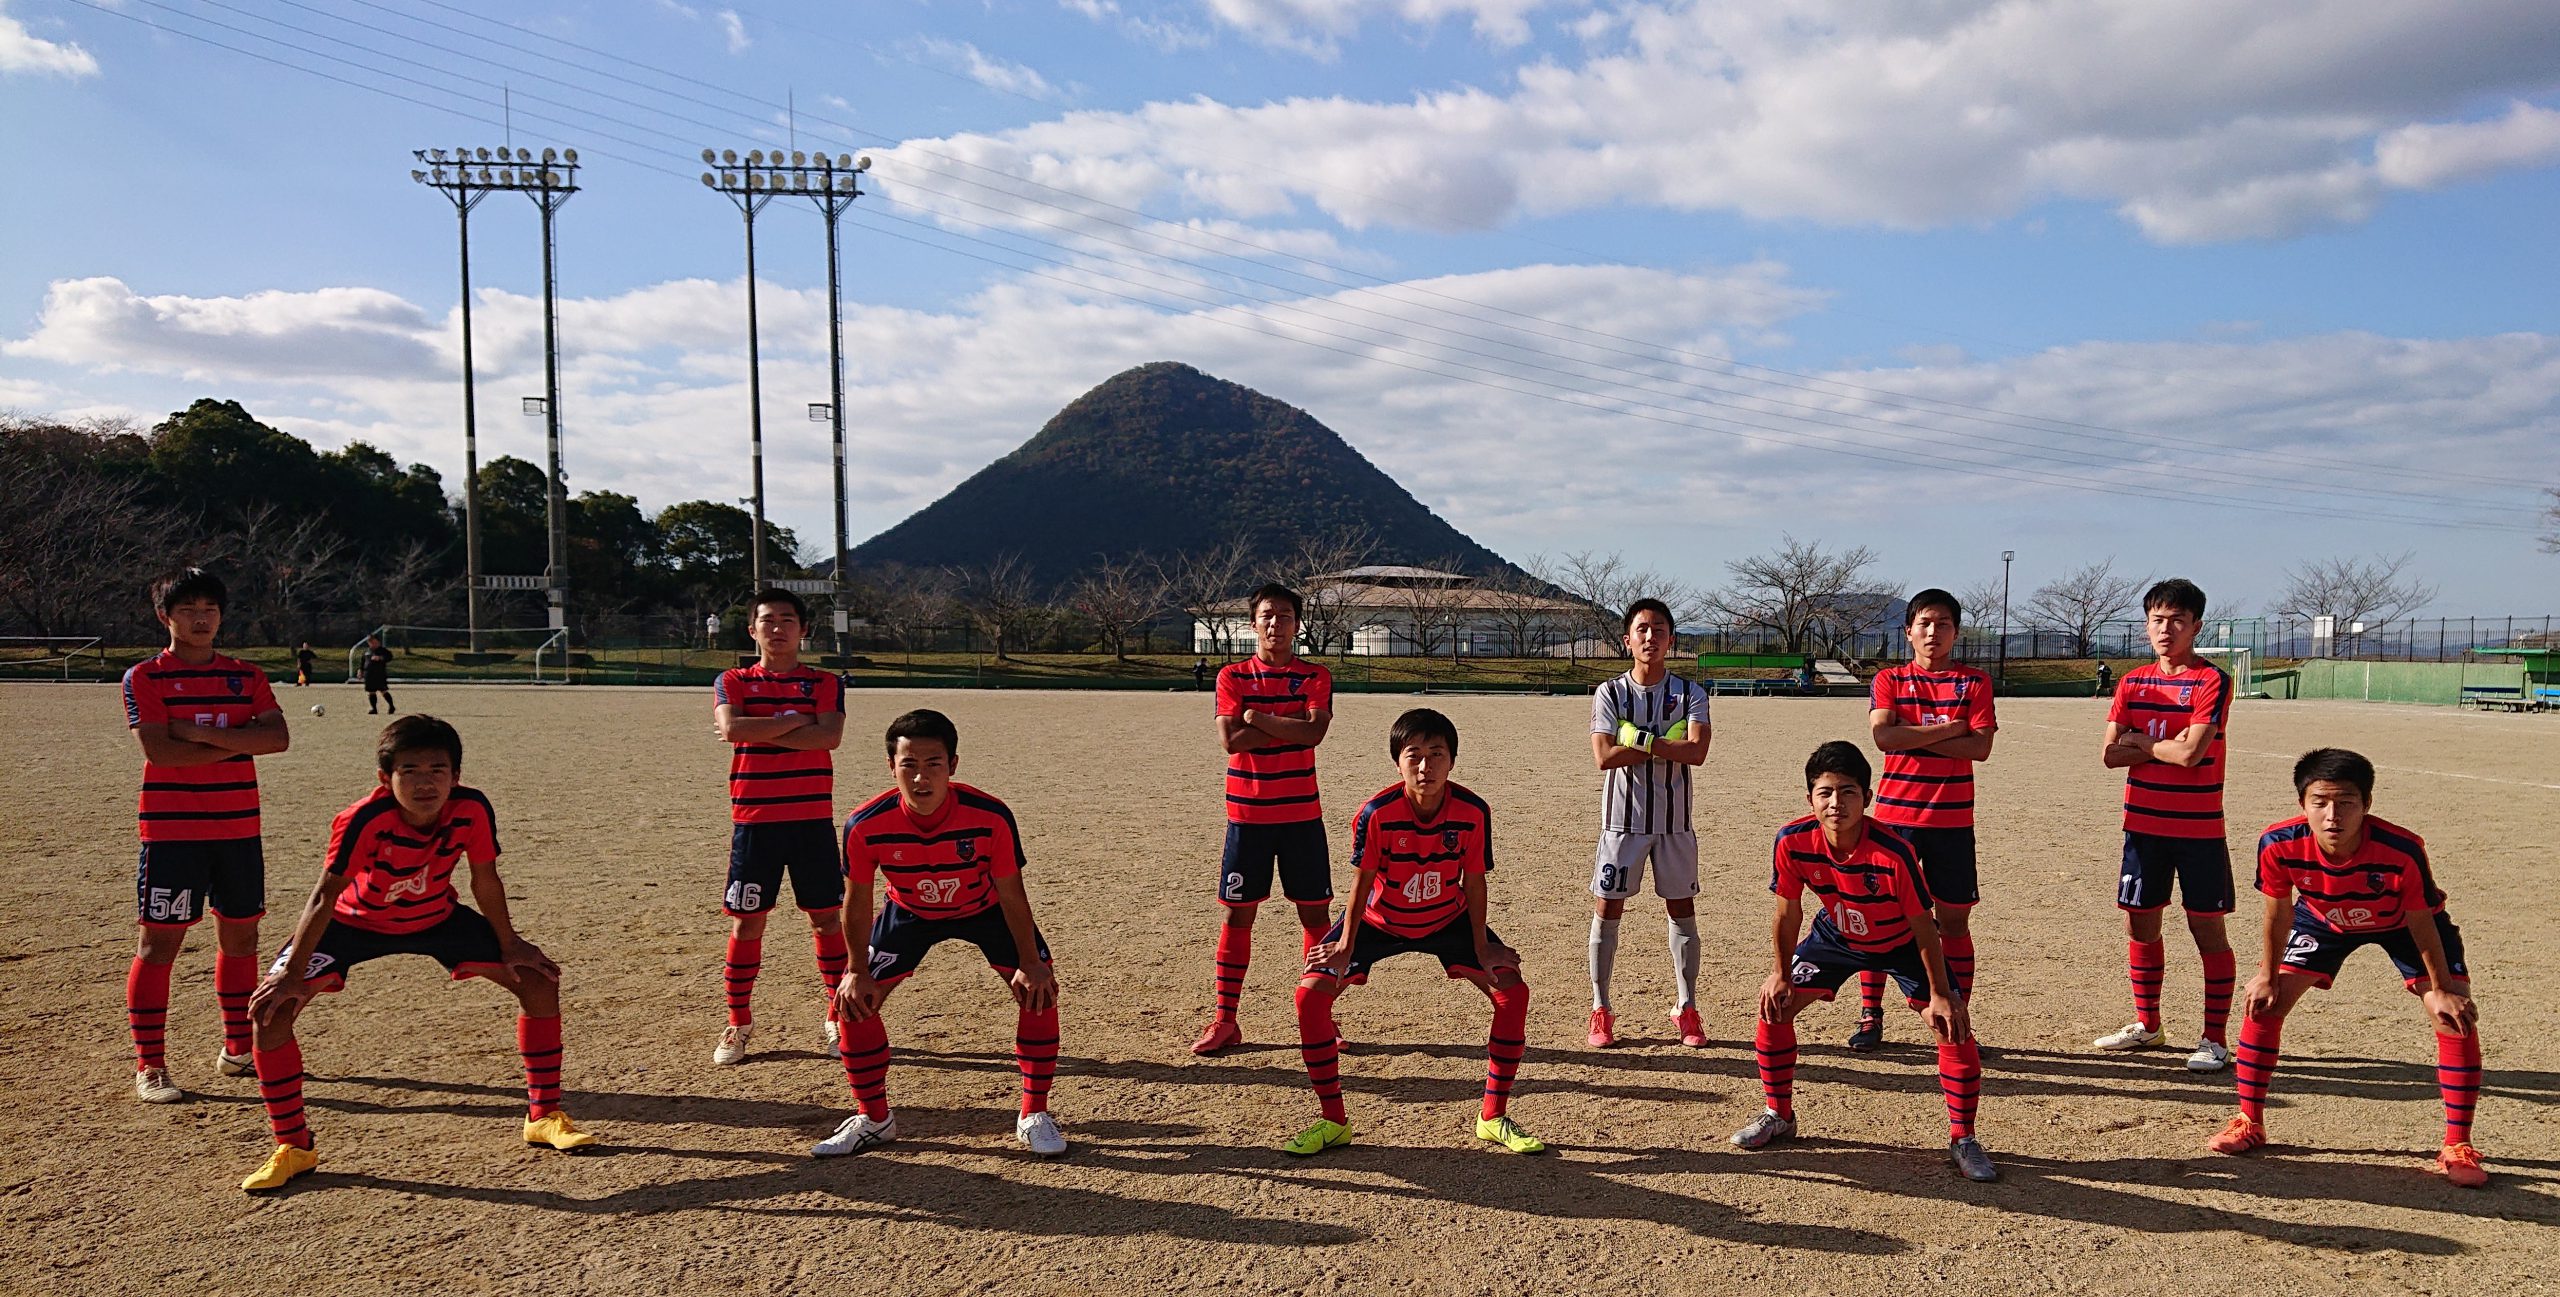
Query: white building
[[1389, 610]]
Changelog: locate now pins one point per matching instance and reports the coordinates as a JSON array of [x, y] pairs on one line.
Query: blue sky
[[2206, 288]]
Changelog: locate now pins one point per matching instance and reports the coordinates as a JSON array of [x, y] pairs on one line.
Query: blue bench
[[2503, 697]]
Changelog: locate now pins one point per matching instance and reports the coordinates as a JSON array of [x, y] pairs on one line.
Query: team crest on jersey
[[968, 849], [2378, 880], [1961, 686], [2186, 695], [231, 684], [1449, 838], [807, 688], [1297, 684]]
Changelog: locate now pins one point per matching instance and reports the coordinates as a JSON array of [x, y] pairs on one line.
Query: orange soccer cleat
[[2240, 1136], [2460, 1164]]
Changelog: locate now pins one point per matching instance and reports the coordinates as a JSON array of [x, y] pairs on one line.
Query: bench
[[1724, 685], [2503, 697]]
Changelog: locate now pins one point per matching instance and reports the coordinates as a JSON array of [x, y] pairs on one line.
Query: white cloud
[[312, 336], [735, 28], [23, 51], [2434, 155], [1001, 75], [1316, 25]]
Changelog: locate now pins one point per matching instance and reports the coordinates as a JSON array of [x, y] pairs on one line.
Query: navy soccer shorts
[[463, 942], [1946, 864], [2316, 951], [1824, 962], [759, 855], [174, 882], [1451, 943], [900, 937], [1299, 850], [2200, 866]]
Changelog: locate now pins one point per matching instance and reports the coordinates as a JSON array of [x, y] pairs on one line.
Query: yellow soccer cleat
[[557, 1131], [1317, 1138], [1507, 1133], [288, 1161]]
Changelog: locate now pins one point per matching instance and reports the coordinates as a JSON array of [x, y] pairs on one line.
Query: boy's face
[[1275, 624], [1932, 634], [2172, 631], [923, 770], [1838, 801], [420, 779], [1649, 638], [2336, 812], [1424, 763], [193, 623], [776, 628]]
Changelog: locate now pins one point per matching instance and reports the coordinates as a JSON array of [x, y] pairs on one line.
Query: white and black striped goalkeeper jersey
[[1653, 797]]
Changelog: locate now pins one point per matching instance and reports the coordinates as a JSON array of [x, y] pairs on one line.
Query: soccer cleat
[[1326, 1133], [1604, 1029], [1766, 1129], [2238, 1136], [2210, 1056], [230, 1064], [1039, 1132], [733, 1043], [2132, 1035], [1869, 1035], [1692, 1033], [2460, 1164], [1507, 1133], [556, 1130], [857, 1134], [1973, 1159], [288, 1161], [151, 1085], [1221, 1033]]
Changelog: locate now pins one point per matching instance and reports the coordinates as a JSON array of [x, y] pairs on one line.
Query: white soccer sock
[[1604, 958], [1684, 958]]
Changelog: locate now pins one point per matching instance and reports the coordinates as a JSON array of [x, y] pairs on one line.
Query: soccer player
[[1872, 911], [951, 859], [388, 890], [377, 676], [1273, 709], [302, 658], [1648, 732], [2165, 731], [1932, 719], [2362, 881], [1422, 847], [781, 719], [203, 720]]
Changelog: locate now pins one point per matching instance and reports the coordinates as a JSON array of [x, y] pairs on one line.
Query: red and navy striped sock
[[1035, 1054], [280, 1088], [1235, 954], [538, 1039], [1504, 1044], [2221, 970], [2147, 961], [831, 962], [2458, 1076], [234, 978], [1321, 1046], [1775, 1042], [864, 1050], [1960, 1080], [745, 957], [1959, 952], [1871, 995], [146, 1012], [2253, 1064]]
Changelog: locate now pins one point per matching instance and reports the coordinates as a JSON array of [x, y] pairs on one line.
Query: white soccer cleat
[[835, 1033], [733, 1044], [2210, 1056], [1039, 1133], [230, 1064], [151, 1085], [860, 1134], [2132, 1035]]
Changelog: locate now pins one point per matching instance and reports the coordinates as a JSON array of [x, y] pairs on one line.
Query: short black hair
[[1932, 597], [417, 732], [925, 723], [1642, 606], [2177, 594], [1838, 757], [1275, 590], [1421, 723], [2334, 765], [186, 585], [776, 594]]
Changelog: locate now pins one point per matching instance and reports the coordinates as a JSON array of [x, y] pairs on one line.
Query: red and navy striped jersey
[[1422, 863], [770, 784], [1274, 785], [2378, 889], [207, 803], [1920, 789], [400, 876], [942, 868], [1869, 899], [2161, 799]]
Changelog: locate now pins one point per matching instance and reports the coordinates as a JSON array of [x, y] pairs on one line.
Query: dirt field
[[612, 809]]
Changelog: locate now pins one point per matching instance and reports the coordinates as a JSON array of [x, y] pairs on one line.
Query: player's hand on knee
[[857, 996], [525, 958], [282, 993], [1774, 995], [1329, 958], [2259, 999], [2453, 1011], [1950, 1019], [1035, 987]]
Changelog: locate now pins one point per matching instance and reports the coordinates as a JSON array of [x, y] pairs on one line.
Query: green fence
[[2438, 683]]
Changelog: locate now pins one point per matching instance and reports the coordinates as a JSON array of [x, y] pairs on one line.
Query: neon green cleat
[[288, 1161], [1507, 1133], [1317, 1138]]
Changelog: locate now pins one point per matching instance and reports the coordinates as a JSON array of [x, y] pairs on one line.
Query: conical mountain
[[1162, 460]]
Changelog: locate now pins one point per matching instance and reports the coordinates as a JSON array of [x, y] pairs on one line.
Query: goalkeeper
[[1648, 731]]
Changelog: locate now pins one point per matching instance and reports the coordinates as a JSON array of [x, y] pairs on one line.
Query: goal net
[[420, 653], [2241, 662]]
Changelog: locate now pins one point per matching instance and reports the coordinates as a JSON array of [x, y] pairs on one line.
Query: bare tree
[[1433, 611], [1523, 607], [2078, 603], [1810, 600], [2354, 590], [405, 590], [2551, 516], [911, 602], [1329, 619], [1002, 603], [1982, 609], [287, 570], [1206, 585], [1117, 597], [73, 540]]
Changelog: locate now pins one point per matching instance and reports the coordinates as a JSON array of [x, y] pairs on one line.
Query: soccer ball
[[318, 709]]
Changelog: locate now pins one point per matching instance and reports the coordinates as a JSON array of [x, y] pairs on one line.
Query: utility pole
[[2005, 556]]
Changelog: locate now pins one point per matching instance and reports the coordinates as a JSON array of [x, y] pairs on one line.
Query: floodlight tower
[[457, 185], [750, 188]]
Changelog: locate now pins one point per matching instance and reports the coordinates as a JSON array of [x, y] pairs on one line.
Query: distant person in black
[[1200, 674], [2106, 678], [302, 665], [377, 675]]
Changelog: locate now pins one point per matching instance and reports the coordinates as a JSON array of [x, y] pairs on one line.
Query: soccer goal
[[2241, 662], [421, 653], [28, 656]]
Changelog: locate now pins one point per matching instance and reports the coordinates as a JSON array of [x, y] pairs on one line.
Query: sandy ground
[[612, 808]]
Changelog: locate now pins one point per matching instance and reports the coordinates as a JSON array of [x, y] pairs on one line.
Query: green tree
[[708, 548]]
